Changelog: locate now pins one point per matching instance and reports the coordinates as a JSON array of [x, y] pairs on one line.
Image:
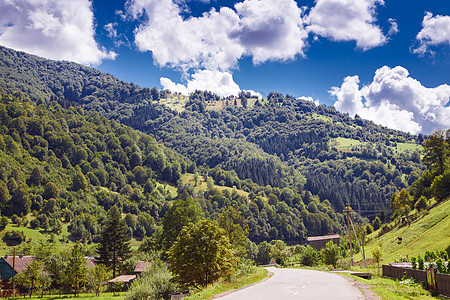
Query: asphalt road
[[299, 284]]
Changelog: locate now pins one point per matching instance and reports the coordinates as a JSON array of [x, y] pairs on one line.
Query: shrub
[[154, 284], [414, 262], [310, 257], [420, 263], [440, 266], [330, 254], [343, 263], [384, 229]]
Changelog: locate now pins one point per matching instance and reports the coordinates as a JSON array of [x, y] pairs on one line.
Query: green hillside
[[279, 142], [430, 231]]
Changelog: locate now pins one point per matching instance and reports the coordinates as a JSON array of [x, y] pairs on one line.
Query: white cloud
[[218, 82], [435, 31], [309, 98], [396, 100], [61, 30], [254, 94], [263, 29], [394, 27], [348, 20]]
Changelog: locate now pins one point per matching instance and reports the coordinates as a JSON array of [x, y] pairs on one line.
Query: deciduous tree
[[201, 254]]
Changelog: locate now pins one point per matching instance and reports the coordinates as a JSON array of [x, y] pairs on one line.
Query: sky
[[387, 61]]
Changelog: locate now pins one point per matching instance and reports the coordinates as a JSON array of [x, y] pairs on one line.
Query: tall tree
[[236, 229], [76, 268], [179, 215], [201, 254], [437, 150], [114, 246], [401, 203]]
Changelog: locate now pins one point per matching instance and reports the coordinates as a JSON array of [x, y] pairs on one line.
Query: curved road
[[299, 284]]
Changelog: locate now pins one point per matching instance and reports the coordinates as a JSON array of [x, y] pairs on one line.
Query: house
[[7, 262], [141, 266], [319, 242]]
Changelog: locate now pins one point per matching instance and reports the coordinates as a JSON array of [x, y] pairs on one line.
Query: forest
[[279, 142]]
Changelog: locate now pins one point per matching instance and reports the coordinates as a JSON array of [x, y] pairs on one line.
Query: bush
[[154, 284], [344, 263], [330, 254], [414, 262], [310, 257], [384, 229], [14, 237], [420, 263]]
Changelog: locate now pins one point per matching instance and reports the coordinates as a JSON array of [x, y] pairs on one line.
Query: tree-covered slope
[[280, 141]]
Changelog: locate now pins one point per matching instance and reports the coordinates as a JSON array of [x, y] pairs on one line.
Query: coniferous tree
[[114, 246]]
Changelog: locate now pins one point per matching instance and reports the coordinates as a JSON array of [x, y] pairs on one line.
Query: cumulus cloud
[[212, 44], [348, 20], [396, 100], [309, 98], [61, 30], [221, 83], [435, 31], [263, 29]]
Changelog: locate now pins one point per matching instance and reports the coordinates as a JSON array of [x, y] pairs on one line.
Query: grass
[[102, 296], [201, 184], [321, 118], [391, 289], [411, 147], [430, 231], [175, 101], [224, 285], [344, 144]]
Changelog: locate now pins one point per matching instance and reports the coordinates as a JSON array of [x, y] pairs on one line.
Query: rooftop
[[323, 237]]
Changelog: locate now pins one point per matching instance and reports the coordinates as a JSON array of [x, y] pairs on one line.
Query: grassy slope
[[429, 232]]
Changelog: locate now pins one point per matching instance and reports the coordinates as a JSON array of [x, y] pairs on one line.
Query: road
[[299, 284]]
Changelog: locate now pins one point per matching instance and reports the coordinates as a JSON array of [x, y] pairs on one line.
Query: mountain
[[279, 142]]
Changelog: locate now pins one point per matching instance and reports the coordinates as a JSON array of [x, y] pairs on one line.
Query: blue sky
[[387, 61]]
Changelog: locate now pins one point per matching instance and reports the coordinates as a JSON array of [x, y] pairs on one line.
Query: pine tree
[[114, 246]]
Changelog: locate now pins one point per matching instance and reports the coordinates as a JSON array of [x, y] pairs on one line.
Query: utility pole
[[347, 210], [14, 266]]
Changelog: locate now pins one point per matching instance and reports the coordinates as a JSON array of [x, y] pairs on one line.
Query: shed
[[319, 242], [142, 266], [125, 279]]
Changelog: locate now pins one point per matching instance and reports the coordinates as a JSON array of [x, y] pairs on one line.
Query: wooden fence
[[442, 280]]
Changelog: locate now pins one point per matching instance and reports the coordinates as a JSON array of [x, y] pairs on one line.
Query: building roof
[[323, 237], [90, 261], [123, 278], [20, 264], [142, 266]]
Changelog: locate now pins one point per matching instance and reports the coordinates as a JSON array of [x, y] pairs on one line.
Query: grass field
[[429, 232], [411, 147], [201, 184], [344, 144], [175, 101]]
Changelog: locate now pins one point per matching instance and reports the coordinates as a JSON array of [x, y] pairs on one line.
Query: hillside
[[279, 142], [430, 231]]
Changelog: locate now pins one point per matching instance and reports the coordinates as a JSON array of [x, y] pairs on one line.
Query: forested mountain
[[277, 142], [70, 166]]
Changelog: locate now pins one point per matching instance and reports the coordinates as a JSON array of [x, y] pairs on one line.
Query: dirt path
[[364, 288]]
